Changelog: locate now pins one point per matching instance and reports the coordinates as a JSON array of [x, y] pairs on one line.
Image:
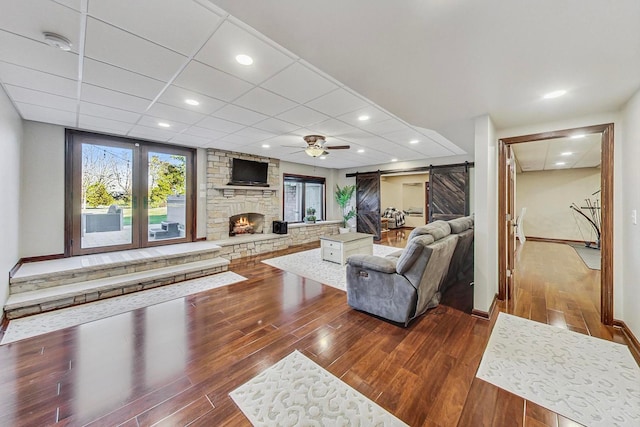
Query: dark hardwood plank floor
[[175, 363]]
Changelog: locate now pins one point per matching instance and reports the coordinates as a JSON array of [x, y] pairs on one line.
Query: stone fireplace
[[246, 223], [225, 202]]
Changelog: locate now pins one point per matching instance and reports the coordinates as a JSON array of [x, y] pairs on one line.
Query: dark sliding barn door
[[448, 192], [368, 203]]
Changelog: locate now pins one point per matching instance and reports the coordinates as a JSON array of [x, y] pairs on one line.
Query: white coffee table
[[338, 247]]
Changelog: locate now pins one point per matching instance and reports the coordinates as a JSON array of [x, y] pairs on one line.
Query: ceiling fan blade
[[337, 147]]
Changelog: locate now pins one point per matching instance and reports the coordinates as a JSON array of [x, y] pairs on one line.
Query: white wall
[[619, 187], [485, 269], [630, 247], [547, 196], [10, 143], [42, 189]]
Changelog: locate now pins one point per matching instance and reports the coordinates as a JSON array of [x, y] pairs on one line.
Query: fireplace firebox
[[246, 223]]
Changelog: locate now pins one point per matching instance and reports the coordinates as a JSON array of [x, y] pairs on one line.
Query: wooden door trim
[[606, 185]]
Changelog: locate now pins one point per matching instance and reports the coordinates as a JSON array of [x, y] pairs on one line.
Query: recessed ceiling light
[[244, 59], [413, 141], [566, 153], [394, 160], [578, 136], [323, 157], [164, 125], [265, 146], [560, 163], [361, 150], [191, 102], [554, 94], [363, 118], [56, 40]]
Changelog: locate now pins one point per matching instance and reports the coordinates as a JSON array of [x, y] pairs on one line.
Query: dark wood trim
[[408, 170], [502, 213], [200, 239], [15, 268], [486, 315], [606, 186], [632, 341], [548, 240], [40, 258]]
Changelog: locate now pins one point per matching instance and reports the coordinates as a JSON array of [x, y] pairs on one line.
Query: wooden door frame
[[606, 183]]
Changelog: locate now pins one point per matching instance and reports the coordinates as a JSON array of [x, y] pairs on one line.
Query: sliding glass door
[[125, 194]]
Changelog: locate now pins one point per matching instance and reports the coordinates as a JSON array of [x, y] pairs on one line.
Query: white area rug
[[39, 324], [309, 264], [298, 392], [589, 380]]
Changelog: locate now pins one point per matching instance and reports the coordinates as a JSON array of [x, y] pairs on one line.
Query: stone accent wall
[[298, 234], [220, 208]]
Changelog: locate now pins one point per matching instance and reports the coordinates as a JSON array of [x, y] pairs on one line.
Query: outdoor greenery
[[166, 179], [311, 215], [97, 195], [343, 198]]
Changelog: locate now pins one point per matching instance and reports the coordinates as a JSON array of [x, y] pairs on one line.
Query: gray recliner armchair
[[402, 288]]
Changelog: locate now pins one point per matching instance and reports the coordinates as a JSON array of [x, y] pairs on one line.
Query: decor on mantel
[[343, 198]]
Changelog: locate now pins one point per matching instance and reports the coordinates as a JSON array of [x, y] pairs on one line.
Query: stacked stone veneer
[[220, 208]]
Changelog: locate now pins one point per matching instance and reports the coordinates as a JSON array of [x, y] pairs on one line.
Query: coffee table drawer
[[333, 255]]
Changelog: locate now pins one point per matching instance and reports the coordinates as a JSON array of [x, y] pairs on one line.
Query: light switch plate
[[634, 217]]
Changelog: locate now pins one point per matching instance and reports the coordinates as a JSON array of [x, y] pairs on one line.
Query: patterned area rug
[[309, 264], [298, 392], [39, 324], [589, 380]]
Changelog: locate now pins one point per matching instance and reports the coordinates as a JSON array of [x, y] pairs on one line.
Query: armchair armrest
[[372, 262]]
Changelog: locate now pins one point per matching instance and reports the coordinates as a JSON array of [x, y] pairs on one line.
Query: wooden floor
[[175, 363]]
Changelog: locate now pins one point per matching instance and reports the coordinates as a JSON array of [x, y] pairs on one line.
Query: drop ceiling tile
[[109, 44], [153, 134], [149, 18], [101, 111], [73, 4], [299, 84], [239, 115], [264, 102], [220, 125], [384, 127], [429, 148], [333, 127], [152, 122], [337, 103], [276, 126], [110, 77], [37, 80], [235, 139], [111, 98], [229, 41], [46, 115], [190, 140], [209, 81], [31, 18], [43, 99], [169, 112], [374, 115], [223, 145], [176, 96], [302, 116], [204, 133], [104, 125], [405, 135], [37, 55], [444, 142], [254, 135]]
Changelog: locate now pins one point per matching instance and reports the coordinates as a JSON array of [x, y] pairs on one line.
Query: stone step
[[53, 298], [66, 271]]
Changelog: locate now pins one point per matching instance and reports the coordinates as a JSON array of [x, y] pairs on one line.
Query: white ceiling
[[559, 153], [420, 69]]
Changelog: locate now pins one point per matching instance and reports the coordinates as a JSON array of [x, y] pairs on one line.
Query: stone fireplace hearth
[[246, 223]]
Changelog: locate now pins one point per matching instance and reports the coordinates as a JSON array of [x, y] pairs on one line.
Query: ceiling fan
[[316, 146]]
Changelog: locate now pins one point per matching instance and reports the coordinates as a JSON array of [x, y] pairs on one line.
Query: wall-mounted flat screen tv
[[249, 172]]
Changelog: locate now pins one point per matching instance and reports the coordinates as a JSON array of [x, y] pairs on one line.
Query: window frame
[[305, 179]]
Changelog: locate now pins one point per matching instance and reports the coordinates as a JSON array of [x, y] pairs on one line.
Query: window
[[302, 193]]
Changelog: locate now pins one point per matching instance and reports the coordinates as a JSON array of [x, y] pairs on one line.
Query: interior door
[[448, 192], [368, 203], [510, 219]]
